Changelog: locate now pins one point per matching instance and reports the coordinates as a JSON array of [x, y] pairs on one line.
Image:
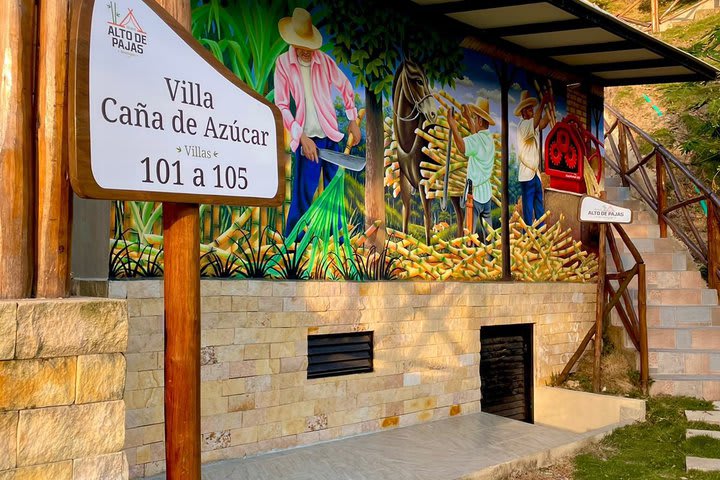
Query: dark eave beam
[[615, 26], [583, 49], [474, 5], [425, 13]]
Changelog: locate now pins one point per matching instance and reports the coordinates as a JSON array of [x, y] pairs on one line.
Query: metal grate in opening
[[339, 354]]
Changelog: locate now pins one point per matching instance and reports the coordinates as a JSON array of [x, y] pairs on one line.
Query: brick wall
[[255, 393], [577, 103], [62, 376]]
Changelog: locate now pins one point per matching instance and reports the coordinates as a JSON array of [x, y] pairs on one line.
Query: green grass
[[686, 35], [655, 449]]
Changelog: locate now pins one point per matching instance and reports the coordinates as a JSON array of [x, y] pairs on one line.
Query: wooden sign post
[[155, 117]]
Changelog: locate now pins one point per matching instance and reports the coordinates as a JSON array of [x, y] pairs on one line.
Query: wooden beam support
[[505, 83], [642, 313], [599, 307], [661, 194], [17, 34], [54, 194], [181, 226], [713, 227], [655, 15]]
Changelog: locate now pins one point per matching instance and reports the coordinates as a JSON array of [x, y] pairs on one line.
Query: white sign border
[[598, 221], [81, 176]]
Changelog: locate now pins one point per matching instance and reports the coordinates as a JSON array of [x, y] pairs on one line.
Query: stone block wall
[[62, 377], [255, 393]]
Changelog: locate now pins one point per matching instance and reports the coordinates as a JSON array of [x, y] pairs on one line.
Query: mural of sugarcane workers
[[528, 154], [479, 147], [307, 75]]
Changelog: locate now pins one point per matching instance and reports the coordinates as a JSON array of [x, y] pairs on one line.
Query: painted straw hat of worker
[[299, 30], [481, 108], [525, 101]]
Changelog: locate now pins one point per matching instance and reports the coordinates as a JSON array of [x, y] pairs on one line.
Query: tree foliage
[[372, 40]]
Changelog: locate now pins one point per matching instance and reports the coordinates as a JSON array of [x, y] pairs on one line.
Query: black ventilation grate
[[340, 354]]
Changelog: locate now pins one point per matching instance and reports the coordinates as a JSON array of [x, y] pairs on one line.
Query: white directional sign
[[156, 117], [597, 211]]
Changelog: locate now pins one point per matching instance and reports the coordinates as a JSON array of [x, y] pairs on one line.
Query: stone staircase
[[683, 315], [712, 418]]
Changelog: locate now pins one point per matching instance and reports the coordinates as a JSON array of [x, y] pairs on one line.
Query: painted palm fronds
[[243, 34]]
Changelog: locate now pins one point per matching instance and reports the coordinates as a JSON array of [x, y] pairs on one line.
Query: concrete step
[[652, 245], [702, 464], [661, 261], [670, 279], [678, 296], [685, 338], [711, 417], [674, 279], [633, 204], [699, 386], [681, 316], [644, 217], [615, 194], [672, 316], [614, 181], [690, 433], [637, 231], [684, 362]]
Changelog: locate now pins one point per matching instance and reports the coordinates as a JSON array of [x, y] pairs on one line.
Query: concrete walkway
[[477, 446]]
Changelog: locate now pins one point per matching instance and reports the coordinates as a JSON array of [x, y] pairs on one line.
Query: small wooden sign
[[594, 210], [154, 116]]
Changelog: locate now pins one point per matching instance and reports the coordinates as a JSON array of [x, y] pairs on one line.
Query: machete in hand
[[351, 162]]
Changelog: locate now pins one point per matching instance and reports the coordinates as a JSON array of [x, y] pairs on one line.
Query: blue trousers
[[305, 181], [532, 200]]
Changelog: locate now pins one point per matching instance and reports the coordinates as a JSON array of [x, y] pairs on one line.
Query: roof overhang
[[574, 35]]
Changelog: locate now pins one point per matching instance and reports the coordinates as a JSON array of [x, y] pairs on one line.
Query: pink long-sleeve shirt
[[325, 74]]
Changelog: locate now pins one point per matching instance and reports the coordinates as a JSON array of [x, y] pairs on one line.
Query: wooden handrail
[[665, 153], [609, 297], [667, 197]]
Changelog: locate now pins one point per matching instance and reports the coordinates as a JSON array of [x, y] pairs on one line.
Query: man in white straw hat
[[479, 147], [307, 75], [528, 154]]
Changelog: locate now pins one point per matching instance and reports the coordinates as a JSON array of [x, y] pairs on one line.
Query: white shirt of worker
[[528, 150], [312, 126]]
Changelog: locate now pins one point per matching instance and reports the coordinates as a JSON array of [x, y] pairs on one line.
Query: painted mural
[[394, 136]]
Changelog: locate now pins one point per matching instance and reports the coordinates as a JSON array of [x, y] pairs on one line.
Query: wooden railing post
[[54, 197], [661, 195], [17, 34], [623, 146], [642, 317], [713, 229], [655, 14]]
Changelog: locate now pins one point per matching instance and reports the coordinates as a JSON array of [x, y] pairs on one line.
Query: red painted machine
[[567, 144]]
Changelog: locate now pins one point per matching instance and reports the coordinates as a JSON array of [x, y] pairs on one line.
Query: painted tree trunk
[[54, 197], [374, 169], [16, 166]]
